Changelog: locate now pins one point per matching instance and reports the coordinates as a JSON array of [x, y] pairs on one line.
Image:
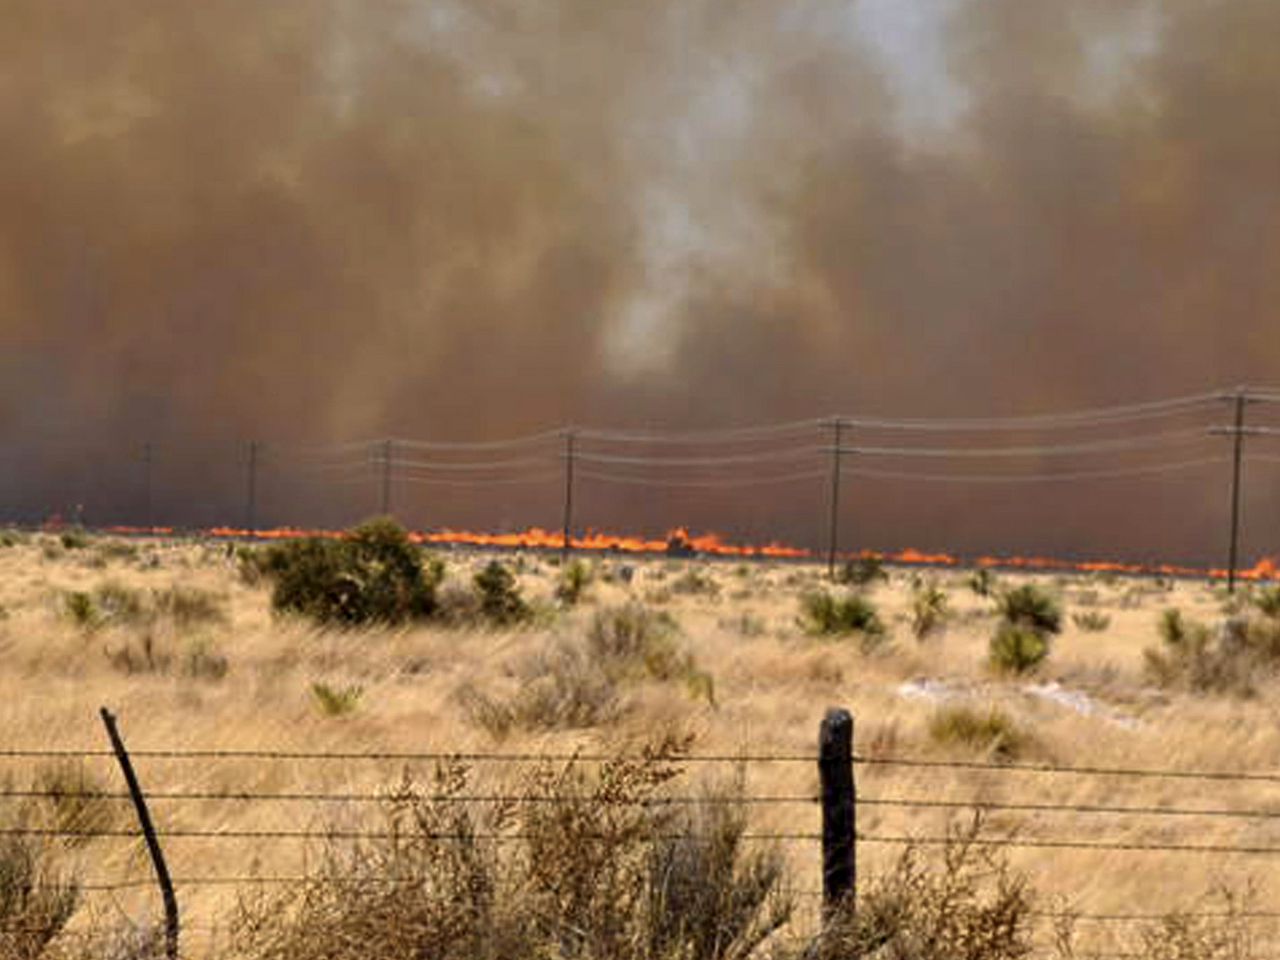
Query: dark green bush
[[862, 571], [372, 574], [1017, 649], [500, 600], [1030, 606], [826, 615]]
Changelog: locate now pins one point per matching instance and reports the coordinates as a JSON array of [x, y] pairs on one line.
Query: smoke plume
[[317, 220]]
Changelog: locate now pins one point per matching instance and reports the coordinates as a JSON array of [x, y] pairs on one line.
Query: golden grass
[[772, 682]]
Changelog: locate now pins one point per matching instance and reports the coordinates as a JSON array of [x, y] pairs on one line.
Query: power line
[[1053, 421], [472, 465], [726, 435], [728, 460], [743, 482], [985, 478], [1042, 450]]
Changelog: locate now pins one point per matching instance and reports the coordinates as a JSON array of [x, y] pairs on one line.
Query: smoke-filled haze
[[319, 220]]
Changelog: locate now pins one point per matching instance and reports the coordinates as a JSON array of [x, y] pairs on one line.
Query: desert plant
[[635, 641], [373, 574], [991, 731], [695, 582], [336, 701], [500, 601], [1091, 621], [141, 654], [1267, 600], [202, 660], [862, 571], [982, 582], [189, 606], [1227, 660], [968, 906], [73, 539], [560, 689], [592, 866], [80, 609], [36, 900], [1029, 619], [824, 614], [928, 609], [574, 580], [1030, 606], [1017, 649], [76, 802], [119, 604]]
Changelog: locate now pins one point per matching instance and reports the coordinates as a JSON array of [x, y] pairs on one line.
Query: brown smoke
[[326, 219]]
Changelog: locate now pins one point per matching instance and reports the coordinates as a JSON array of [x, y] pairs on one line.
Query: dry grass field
[[189, 655]]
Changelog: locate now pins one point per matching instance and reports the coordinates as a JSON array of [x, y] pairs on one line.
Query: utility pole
[[833, 530], [386, 478], [148, 456], [567, 532], [251, 499], [1237, 465], [1237, 431]]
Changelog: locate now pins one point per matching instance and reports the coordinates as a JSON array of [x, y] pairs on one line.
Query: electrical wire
[[710, 484], [1033, 477], [1096, 446], [1054, 421]]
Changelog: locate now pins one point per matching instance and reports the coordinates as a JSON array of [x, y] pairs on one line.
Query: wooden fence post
[[148, 834], [835, 769]]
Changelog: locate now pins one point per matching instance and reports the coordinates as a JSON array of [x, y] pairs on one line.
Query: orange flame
[[680, 542]]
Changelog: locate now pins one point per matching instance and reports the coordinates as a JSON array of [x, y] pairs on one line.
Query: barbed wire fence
[[833, 842], [1216, 435]]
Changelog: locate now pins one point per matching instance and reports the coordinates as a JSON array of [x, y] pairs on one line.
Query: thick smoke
[[317, 220]]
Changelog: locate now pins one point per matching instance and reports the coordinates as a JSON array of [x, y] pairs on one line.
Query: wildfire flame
[[680, 542]]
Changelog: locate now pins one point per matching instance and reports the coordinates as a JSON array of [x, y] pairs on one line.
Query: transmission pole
[[567, 532], [1237, 467], [833, 530]]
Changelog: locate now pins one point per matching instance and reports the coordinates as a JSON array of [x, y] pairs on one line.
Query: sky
[[312, 221]]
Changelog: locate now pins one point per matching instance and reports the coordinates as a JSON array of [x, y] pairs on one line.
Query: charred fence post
[[835, 770], [149, 835]]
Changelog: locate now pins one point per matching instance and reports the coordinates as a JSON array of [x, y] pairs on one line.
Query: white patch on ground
[[939, 691], [1079, 701], [923, 688]]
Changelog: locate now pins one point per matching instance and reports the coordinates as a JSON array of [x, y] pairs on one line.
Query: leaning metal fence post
[[149, 834]]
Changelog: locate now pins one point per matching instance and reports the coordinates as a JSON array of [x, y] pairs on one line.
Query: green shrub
[[1030, 606], [73, 540], [1091, 621], [862, 571], [928, 609], [373, 574], [500, 600], [575, 577], [1017, 649], [823, 614], [982, 582], [334, 701], [990, 731], [1228, 660], [80, 608]]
